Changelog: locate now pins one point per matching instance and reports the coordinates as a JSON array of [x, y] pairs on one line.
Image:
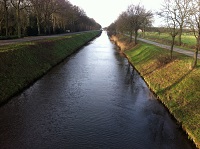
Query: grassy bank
[[174, 83], [23, 63]]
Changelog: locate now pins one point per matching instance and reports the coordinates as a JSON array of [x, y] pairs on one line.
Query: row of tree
[[130, 21], [36, 17], [178, 15]]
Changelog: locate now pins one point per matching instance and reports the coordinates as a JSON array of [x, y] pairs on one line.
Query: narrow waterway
[[94, 99]]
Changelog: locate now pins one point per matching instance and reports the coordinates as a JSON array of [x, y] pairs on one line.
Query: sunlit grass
[[174, 83], [59, 37], [5, 48]]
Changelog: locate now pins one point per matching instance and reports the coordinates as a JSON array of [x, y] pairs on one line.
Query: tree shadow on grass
[[148, 73], [175, 83], [161, 61]]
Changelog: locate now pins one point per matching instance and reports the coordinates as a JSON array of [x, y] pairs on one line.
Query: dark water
[[92, 100]]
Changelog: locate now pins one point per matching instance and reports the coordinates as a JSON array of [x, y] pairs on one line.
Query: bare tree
[[4, 14], [121, 24], [183, 10], [19, 5], [170, 14], [147, 22], [1, 16], [194, 21], [136, 17], [37, 8]]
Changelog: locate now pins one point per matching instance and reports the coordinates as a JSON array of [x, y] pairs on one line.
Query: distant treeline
[[35, 17]]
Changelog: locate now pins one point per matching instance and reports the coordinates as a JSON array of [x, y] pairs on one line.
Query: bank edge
[[24, 63], [168, 89]]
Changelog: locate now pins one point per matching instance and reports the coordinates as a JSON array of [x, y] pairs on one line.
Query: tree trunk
[[136, 34], [195, 58], [54, 24], [172, 47], [18, 23], [179, 36], [6, 17], [38, 25], [45, 25], [0, 28], [143, 32], [196, 52], [131, 34]]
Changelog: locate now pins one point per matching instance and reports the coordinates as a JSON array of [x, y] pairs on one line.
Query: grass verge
[[173, 81], [21, 64]]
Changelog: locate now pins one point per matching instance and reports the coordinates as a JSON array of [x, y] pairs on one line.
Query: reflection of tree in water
[[131, 77]]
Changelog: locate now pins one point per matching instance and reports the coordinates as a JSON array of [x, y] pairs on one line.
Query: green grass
[[23, 63], [175, 84], [188, 40]]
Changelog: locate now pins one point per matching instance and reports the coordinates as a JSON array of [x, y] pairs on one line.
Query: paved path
[[179, 50], [34, 38]]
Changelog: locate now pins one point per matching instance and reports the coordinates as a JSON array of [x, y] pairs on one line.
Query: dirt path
[[179, 50]]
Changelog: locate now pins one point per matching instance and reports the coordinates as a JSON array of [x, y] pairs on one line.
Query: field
[[188, 40]]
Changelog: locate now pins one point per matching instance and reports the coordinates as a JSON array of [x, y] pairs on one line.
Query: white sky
[[106, 11]]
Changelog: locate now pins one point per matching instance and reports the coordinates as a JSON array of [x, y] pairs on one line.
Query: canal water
[[94, 99]]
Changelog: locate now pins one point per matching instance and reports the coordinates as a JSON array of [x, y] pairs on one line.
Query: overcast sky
[[106, 11]]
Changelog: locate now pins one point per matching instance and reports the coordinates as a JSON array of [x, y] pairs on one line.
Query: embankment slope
[[172, 81], [23, 63]]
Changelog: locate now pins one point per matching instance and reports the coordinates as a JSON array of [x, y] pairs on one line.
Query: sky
[[106, 12]]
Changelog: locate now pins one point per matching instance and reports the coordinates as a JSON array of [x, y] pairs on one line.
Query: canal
[[94, 99]]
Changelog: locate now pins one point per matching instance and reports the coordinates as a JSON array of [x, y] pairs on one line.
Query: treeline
[[135, 18], [36, 17], [178, 16]]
